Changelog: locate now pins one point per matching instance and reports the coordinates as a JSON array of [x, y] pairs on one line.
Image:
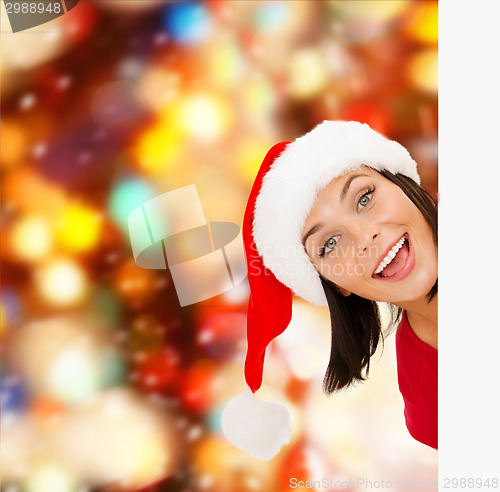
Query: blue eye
[[329, 245], [365, 199]]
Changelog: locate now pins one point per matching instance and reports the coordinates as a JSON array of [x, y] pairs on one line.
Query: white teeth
[[391, 255]]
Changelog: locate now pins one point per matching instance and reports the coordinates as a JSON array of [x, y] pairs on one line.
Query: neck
[[421, 309], [422, 316]]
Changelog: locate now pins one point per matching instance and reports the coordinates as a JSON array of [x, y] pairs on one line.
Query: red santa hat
[[282, 196]]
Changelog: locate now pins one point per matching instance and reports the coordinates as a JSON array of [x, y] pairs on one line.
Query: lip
[[405, 269]]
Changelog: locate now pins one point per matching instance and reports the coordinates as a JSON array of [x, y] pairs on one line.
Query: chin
[[422, 290]]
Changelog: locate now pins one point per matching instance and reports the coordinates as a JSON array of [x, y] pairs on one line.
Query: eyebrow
[[318, 226], [311, 231], [345, 189]]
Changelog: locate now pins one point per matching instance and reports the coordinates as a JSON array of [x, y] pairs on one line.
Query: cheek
[[422, 235], [399, 210], [427, 250], [346, 273]]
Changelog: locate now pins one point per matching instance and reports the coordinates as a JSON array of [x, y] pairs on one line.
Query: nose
[[371, 240], [365, 236]]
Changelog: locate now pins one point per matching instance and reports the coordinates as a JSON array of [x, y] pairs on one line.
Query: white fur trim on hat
[[290, 187]]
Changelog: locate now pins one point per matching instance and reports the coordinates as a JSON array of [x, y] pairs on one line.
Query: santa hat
[[282, 196]]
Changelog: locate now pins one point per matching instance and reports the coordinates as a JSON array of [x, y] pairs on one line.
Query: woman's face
[[367, 237]]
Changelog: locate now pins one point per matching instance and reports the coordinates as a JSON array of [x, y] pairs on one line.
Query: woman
[[338, 218]]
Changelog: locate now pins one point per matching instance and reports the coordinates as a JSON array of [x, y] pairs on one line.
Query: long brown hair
[[355, 321]]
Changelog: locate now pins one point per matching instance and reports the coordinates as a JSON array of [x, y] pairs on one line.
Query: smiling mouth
[[395, 259]]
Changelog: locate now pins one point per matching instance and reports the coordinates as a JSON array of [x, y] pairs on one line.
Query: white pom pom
[[258, 427]]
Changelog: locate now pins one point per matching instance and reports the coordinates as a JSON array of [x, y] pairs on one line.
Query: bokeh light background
[[106, 383]]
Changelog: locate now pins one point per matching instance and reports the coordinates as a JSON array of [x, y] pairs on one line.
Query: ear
[[344, 292]]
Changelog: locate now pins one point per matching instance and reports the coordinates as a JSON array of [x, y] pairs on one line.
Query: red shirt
[[418, 383]]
